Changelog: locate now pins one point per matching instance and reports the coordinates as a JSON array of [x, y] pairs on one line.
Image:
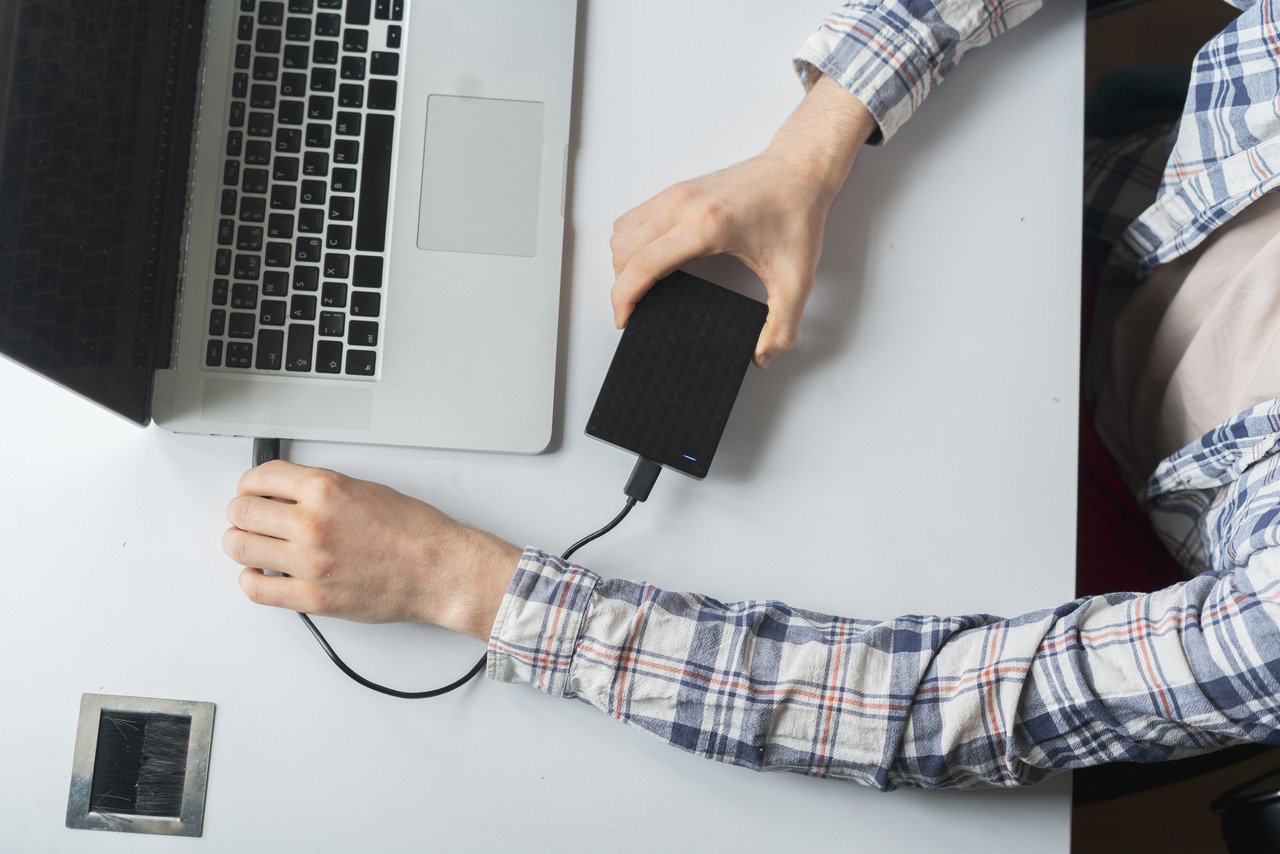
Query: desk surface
[[937, 371]]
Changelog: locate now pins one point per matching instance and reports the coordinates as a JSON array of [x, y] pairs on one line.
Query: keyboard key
[[329, 357], [226, 232], [394, 35], [279, 254], [368, 272], [291, 112], [222, 262], [363, 333], [284, 169], [306, 278], [384, 64], [253, 209], [236, 119], [353, 68], [257, 152], [244, 28], [280, 226], [247, 5], [382, 94], [268, 41], [289, 140], [351, 96], [284, 197], [271, 14], [333, 295], [273, 312], [320, 107], [275, 283], [310, 221], [244, 295], [239, 84], [315, 164], [346, 151], [229, 201], [338, 237], [371, 231], [354, 40], [324, 53], [328, 25], [361, 363], [329, 4], [300, 7], [213, 354], [255, 181], [302, 307], [342, 181], [342, 208], [318, 135], [333, 324], [366, 304], [241, 325], [298, 30], [297, 56], [220, 289], [248, 267], [217, 322], [347, 124], [323, 79], [239, 354], [244, 53], [266, 68], [231, 172], [397, 10], [301, 339], [249, 238], [261, 124], [358, 12], [270, 350], [308, 251], [312, 192], [262, 96], [336, 265]]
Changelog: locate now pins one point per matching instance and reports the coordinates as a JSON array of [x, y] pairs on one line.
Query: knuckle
[[716, 215], [251, 583], [315, 600], [233, 544], [316, 531], [326, 484]]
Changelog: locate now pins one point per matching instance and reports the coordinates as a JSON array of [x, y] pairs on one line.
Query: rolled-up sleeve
[[891, 53]]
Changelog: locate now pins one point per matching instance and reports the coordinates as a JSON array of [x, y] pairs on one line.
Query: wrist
[[823, 135], [487, 565]]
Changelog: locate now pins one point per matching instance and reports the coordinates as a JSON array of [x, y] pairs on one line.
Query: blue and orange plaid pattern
[[979, 700]]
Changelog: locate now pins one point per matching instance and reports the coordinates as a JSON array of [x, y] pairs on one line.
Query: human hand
[[768, 212], [362, 551]]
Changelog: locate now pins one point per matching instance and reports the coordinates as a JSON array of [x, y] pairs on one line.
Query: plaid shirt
[[977, 700]]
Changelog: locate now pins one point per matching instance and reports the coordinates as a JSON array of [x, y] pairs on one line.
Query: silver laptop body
[[461, 353]]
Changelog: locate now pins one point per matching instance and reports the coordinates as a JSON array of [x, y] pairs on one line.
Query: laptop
[[312, 219]]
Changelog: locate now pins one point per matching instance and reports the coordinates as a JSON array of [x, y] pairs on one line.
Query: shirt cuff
[[539, 622], [877, 58]]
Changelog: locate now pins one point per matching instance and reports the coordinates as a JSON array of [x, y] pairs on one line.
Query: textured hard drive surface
[[677, 371]]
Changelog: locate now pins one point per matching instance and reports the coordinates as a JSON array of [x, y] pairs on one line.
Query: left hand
[[362, 551]]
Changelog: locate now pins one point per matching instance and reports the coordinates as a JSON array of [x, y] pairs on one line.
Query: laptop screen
[[92, 176]]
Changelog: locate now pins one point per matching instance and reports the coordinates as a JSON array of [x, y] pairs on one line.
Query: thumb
[[782, 326]]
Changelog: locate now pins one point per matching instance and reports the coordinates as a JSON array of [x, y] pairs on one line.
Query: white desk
[[943, 324]]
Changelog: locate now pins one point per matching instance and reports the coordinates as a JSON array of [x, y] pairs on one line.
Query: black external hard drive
[[677, 371]]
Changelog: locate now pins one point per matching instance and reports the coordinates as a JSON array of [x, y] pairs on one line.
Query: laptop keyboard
[[300, 264]]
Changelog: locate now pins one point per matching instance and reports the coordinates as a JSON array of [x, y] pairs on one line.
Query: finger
[[659, 258], [638, 228], [249, 549], [260, 515], [277, 479], [782, 326], [278, 591]]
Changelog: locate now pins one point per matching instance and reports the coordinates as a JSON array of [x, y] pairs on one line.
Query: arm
[[866, 69], [918, 701]]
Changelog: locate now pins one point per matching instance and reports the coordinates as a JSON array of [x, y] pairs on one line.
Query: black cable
[[644, 473]]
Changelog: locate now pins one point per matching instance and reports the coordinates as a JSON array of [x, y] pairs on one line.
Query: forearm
[[917, 701]]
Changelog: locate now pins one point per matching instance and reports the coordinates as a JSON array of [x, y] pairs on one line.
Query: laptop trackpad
[[288, 404], [481, 174]]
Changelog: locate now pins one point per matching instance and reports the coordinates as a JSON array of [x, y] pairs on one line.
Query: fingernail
[[765, 360]]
